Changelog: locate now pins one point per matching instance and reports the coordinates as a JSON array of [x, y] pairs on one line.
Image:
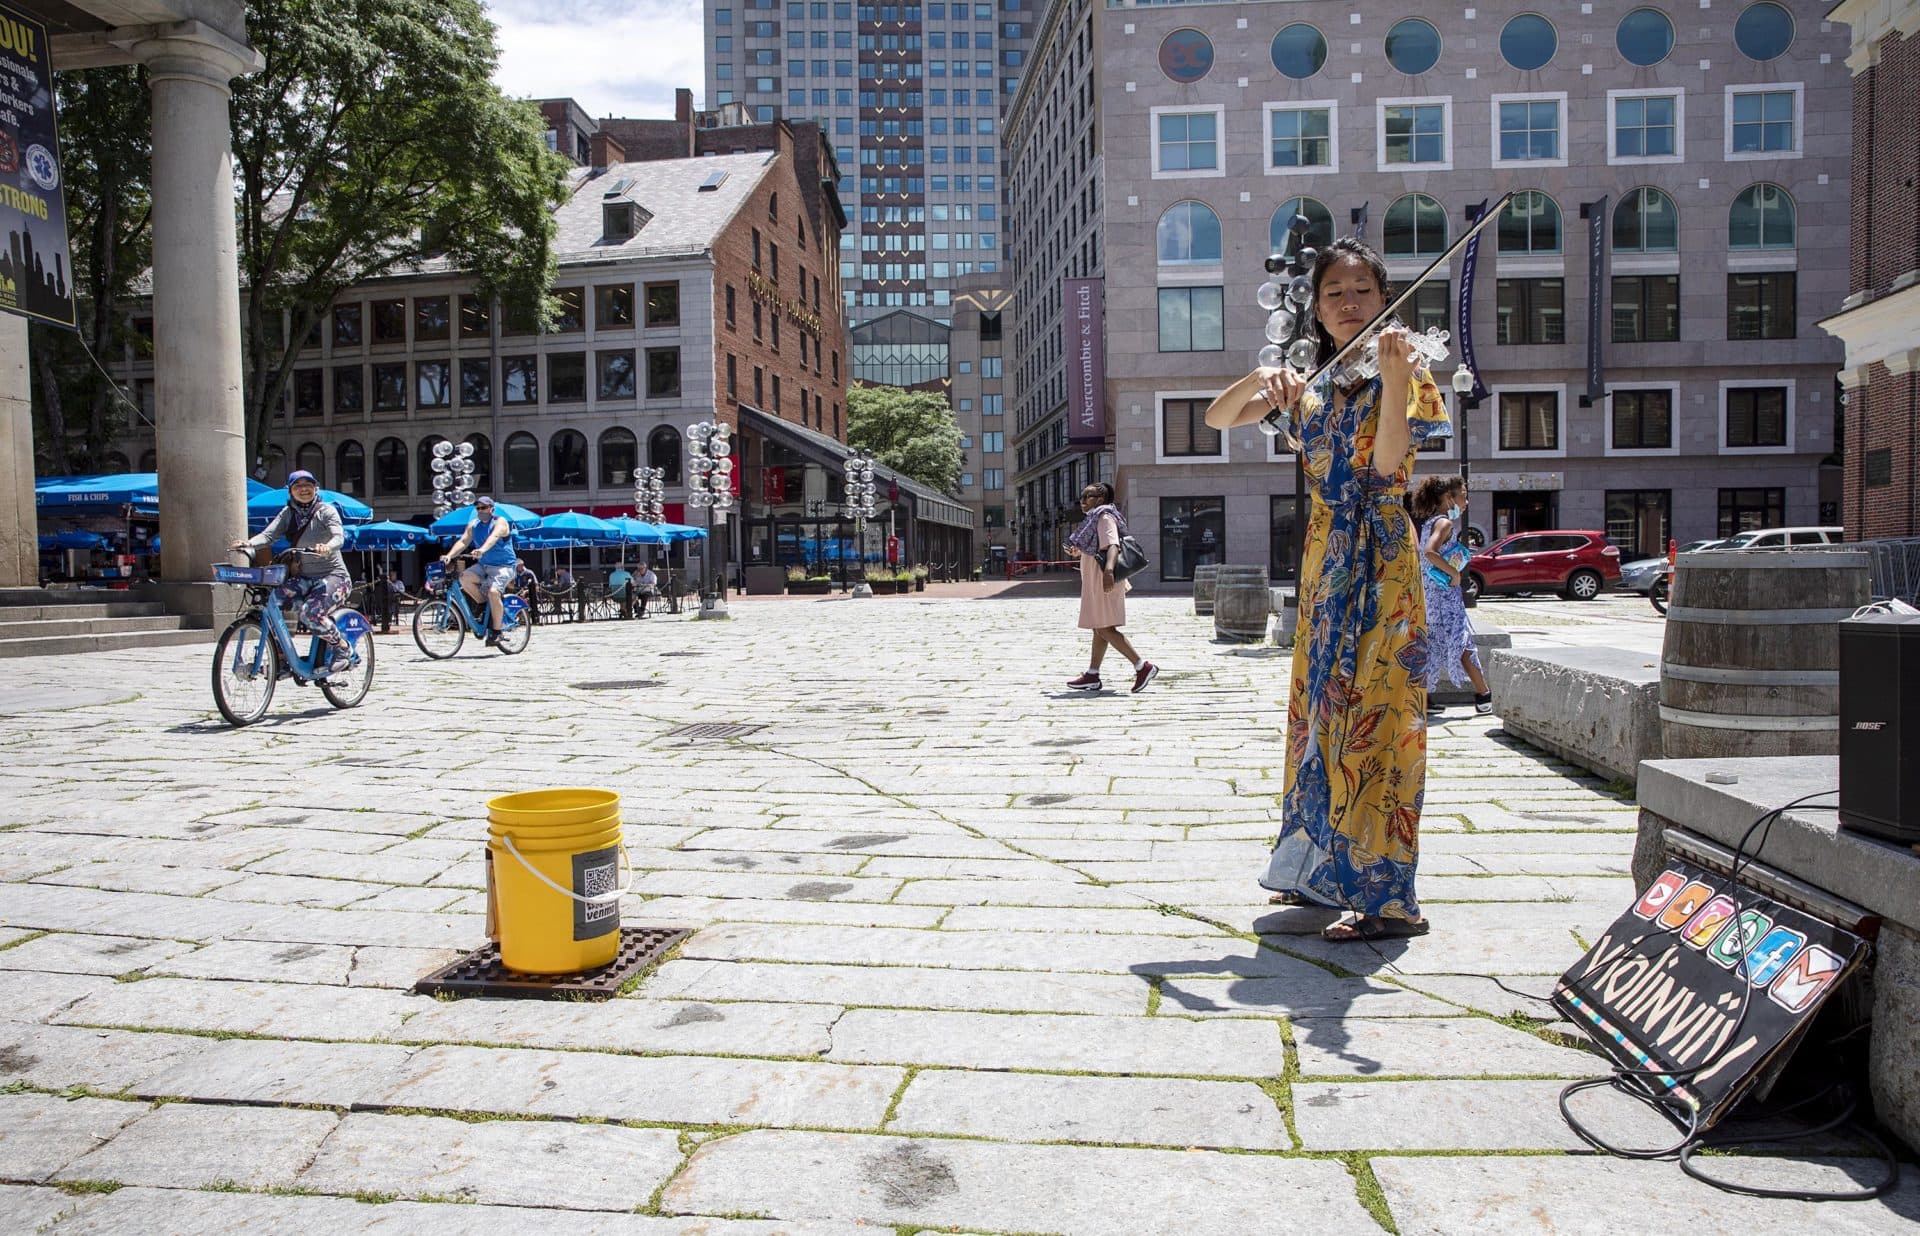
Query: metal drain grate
[[480, 973], [616, 684], [715, 729]]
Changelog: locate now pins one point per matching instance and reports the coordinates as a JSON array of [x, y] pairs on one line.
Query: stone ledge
[[1486, 638], [1596, 707]]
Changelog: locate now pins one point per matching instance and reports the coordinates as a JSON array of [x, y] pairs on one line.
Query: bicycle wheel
[[438, 630], [346, 688], [516, 631], [245, 665]]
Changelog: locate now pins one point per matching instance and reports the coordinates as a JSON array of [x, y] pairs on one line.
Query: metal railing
[[1895, 565]]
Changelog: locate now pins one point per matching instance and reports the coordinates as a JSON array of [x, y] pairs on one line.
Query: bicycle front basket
[[266, 577]]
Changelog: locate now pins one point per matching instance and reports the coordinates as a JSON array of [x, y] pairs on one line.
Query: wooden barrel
[[1203, 589], [1241, 604], [1751, 662]]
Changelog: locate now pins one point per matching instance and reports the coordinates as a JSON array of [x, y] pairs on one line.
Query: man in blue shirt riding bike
[[496, 566], [318, 582]]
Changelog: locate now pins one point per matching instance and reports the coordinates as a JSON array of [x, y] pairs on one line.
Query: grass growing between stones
[[29, 938], [1366, 1187], [85, 1188]]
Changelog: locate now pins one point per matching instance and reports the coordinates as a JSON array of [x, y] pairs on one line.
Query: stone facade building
[[1185, 137]]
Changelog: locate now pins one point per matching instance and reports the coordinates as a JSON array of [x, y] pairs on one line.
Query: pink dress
[[1101, 606]]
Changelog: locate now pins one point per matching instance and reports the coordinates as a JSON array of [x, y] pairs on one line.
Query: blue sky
[[616, 57]]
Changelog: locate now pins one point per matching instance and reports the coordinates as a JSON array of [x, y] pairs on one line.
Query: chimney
[[683, 116], [606, 151]]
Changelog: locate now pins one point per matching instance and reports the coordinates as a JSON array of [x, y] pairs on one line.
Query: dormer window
[[620, 220]]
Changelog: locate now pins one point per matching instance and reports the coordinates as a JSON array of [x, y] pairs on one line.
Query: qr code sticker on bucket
[[596, 874]]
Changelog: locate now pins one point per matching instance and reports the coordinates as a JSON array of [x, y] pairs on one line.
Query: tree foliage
[[107, 158], [371, 143], [912, 432]]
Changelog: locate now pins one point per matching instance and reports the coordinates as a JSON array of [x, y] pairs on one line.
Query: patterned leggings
[[317, 598]]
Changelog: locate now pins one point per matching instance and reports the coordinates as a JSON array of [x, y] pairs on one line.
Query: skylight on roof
[[619, 186], [713, 181]]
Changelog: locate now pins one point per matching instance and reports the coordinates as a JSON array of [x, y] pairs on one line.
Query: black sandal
[[1369, 927]]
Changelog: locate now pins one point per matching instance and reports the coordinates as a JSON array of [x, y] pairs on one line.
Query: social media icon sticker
[[1772, 954], [1736, 940], [1705, 925], [1685, 904], [1658, 894], [1811, 972]]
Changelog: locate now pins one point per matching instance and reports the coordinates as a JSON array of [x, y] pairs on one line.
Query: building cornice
[[1885, 330], [1871, 21]]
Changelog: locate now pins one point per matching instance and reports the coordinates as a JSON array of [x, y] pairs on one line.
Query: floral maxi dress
[[1356, 713]]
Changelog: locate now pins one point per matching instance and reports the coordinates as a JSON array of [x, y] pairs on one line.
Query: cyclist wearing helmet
[[498, 564], [317, 581]]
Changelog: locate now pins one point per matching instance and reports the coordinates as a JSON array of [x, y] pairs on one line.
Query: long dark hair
[[1344, 247], [1431, 494], [1104, 488]]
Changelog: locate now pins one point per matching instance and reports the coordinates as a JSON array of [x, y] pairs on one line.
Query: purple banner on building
[[1595, 213], [1466, 301], [1084, 323]]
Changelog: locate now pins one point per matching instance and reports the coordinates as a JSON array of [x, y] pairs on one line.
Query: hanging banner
[[1085, 327], [1465, 313], [1704, 982], [35, 267], [1595, 213]]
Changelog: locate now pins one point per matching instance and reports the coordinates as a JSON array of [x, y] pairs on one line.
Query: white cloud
[[614, 57]]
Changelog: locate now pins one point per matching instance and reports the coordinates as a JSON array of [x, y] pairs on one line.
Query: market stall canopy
[[386, 534], [74, 538], [109, 494]]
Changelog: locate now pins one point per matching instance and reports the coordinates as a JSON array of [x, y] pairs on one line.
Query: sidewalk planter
[[809, 587]]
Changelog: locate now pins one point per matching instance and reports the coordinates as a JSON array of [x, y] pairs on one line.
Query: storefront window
[[1193, 532]]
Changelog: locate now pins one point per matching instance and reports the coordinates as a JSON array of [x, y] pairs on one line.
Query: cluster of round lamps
[[711, 481], [452, 476]]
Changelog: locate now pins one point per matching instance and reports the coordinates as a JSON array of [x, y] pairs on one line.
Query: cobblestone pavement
[[974, 953]]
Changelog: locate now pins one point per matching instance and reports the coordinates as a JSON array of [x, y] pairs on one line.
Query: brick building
[[1880, 319]]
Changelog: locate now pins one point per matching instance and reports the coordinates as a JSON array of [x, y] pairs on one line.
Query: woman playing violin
[[1356, 730]]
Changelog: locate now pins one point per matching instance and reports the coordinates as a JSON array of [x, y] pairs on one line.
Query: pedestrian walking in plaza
[[1356, 723], [1438, 503], [1103, 598]]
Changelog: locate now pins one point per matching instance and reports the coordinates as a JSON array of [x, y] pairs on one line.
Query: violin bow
[[1359, 340]]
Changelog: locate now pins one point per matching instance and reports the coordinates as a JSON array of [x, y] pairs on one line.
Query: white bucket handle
[[598, 899]]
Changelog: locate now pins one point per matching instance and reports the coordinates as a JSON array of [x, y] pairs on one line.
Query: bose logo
[[1870, 725]]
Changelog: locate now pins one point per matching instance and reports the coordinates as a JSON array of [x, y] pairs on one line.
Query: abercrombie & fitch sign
[[1085, 325]]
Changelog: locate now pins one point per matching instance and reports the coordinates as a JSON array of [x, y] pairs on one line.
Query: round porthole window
[[1186, 55], [1527, 42], [1413, 46], [1764, 32], [1645, 36], [1299, 50]]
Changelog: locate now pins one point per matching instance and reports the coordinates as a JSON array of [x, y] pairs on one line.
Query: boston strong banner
[[35, 278]]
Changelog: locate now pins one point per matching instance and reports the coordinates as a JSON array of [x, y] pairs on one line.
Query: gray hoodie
[[324, 530]]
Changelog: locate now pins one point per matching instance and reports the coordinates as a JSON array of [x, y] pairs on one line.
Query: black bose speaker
[[1880, 726]]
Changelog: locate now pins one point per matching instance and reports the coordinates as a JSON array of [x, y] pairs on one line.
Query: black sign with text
[[36, 276], [1665, 987]]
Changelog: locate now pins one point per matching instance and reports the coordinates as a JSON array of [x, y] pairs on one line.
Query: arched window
[[1189, 234], [482, 462], [149, 460], [1646, 221], [424, 463], [1320, 219], [663, 452], [276, 466], [390, 468], [1416, 227], [1413, 46], [350, 469], [1762, 218], [1299, 50], [116, 463], [1530, 224], [1644, 37], [567, 460], [311, 457], [619, 449], [1527, 42], [523, 464]]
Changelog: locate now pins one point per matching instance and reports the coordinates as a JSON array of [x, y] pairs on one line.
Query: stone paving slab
[[120, 876], [192, 1146], [1166, 1045], [1589, 1196], [901, 987], [1068, 920], [502, 1162], [1304, 992], [662, 1089], [1466, 1115], [56, 1057], [273, 1071], [1067, 1189], [276, 963], [25, 1209], [1435, 1047], [42, 1133], [1014, 893], [1144, 1111], [282, 1010], [27, 995], [68, 953], [632, 1024], [693, 911]]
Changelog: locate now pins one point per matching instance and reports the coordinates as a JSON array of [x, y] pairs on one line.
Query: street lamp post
[[858, 481], [711, 487]]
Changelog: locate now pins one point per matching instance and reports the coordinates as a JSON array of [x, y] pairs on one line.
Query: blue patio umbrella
[[263, 506], [99, 494], [682, 532], [535, 538], [637, 532], [386, 534], [73, 538], [454, 522], [586, 529]]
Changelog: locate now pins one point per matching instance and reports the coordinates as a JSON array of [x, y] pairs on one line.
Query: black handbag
[[1131, 559]]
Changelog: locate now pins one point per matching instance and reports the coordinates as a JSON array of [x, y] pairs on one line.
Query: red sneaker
[[1088, 681], [1147, 672]]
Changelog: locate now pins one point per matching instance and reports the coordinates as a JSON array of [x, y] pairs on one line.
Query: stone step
[[79, 610], [103, 641], [63, 596], [90, 624]]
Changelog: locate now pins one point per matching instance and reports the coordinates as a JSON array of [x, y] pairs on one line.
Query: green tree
[[912, 432], [107, 156], [373, 142]]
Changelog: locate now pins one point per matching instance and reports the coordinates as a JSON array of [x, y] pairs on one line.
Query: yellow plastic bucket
[[557, 896], [564, 809]]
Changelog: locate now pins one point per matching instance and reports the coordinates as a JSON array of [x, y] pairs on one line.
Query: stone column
[[19, 528], [199, 410]]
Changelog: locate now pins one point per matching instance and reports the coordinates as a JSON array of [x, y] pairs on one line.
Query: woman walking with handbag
[[1103, 596], [1437, 504]]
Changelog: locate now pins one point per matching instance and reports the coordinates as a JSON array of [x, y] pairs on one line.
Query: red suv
[[1576, 564]]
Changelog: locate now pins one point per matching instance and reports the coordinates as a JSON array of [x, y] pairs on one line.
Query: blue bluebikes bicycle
[[259, 649], [441, 624]]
